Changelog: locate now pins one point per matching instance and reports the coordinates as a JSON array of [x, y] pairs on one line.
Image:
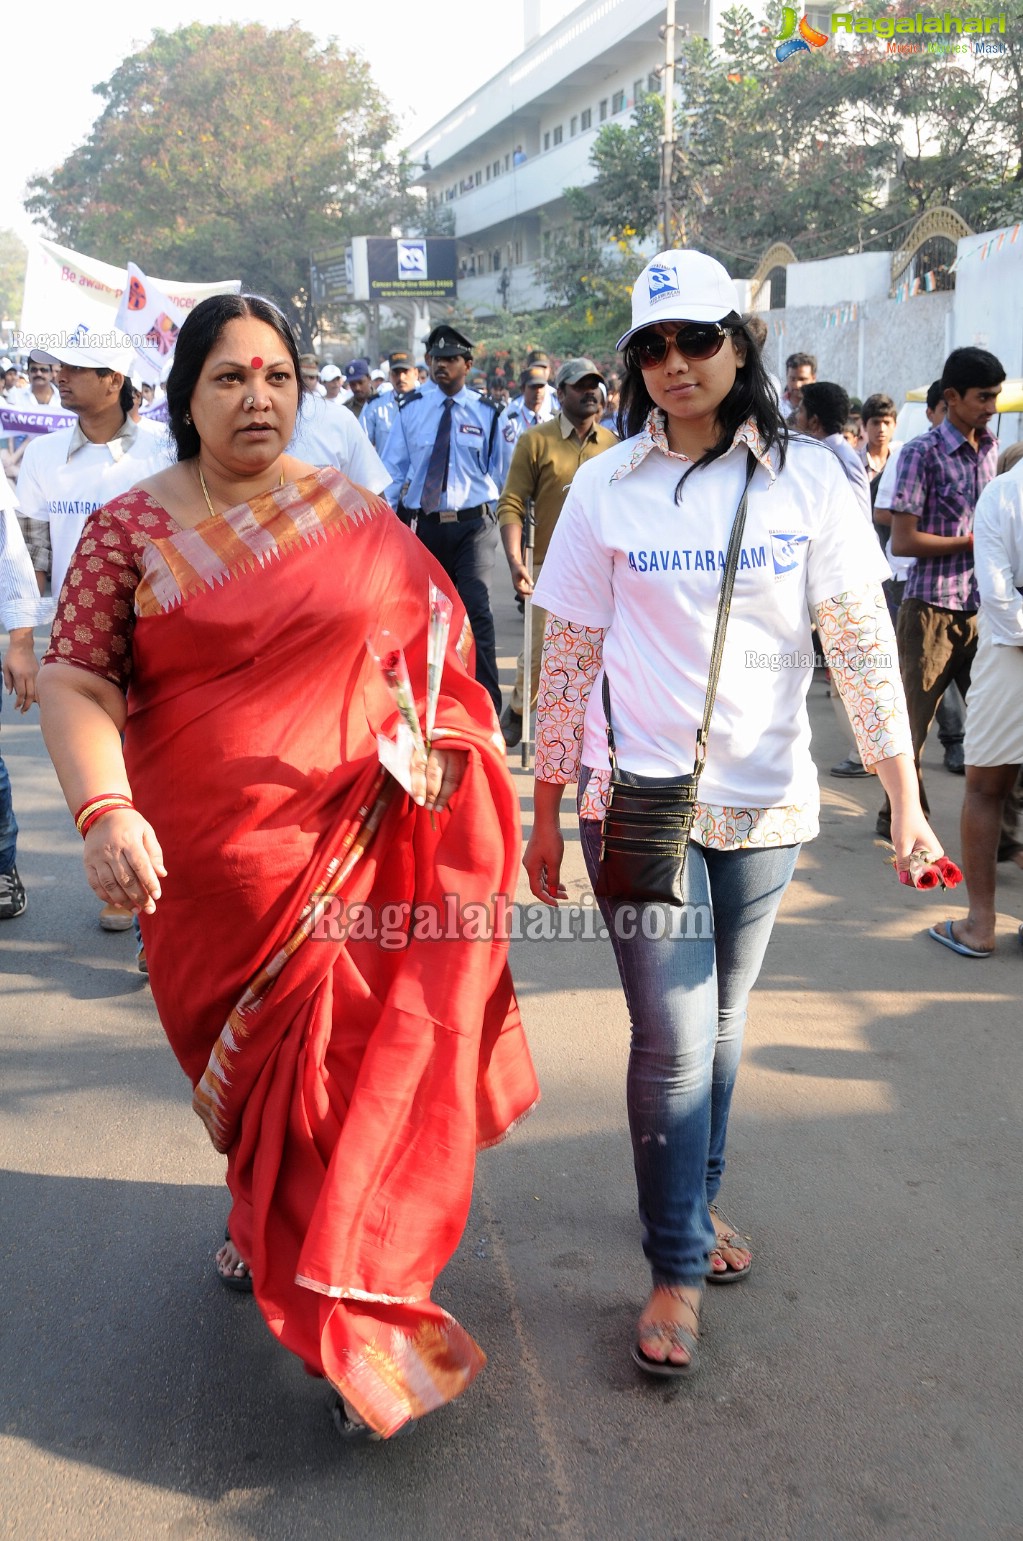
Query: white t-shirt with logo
[[63, 493], [627, 558]]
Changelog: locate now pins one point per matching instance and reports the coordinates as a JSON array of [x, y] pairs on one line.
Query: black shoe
[[955, 760], [13, 900], [883, 827], [850, 766], [511, 727]]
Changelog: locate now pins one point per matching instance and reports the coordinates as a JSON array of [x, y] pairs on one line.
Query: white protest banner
[[65, 289]]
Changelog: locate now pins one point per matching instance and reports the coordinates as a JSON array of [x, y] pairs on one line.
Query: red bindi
[[257, 363]]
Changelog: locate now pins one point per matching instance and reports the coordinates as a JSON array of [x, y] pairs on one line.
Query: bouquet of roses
[[929, 871], [412, 740]]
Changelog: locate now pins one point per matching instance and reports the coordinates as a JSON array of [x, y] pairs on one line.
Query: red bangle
[[96, 807]]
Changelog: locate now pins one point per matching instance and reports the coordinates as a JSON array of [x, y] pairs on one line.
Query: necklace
[[206, 490]]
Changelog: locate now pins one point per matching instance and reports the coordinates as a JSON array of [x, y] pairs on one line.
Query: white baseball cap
[[680, 286], [6, 364], [108, 348], [329, 372]]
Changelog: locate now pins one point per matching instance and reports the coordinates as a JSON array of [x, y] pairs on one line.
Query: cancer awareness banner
[[64, 289], [18, 421], [22, 420]]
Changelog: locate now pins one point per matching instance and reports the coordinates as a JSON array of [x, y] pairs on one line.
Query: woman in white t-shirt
[[631, 584]]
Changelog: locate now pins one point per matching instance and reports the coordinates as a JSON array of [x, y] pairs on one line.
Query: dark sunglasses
[[697, 340]]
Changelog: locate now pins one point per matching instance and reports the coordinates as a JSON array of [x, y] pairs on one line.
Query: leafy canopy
[[230, 151]]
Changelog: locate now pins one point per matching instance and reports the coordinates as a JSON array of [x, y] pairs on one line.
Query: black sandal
[[241, 1283], [677, 1337]]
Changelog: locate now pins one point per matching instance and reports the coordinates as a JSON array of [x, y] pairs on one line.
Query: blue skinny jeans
[[687, 994]]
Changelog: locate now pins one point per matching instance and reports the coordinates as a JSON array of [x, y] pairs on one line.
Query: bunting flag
[[153, 319]]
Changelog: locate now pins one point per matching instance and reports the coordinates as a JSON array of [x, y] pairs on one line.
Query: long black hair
[[751, 396], [197, 339]]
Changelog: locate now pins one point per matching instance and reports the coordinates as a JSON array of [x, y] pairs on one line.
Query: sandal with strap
[[672, 1335], [241, 1283], [735, 1240]]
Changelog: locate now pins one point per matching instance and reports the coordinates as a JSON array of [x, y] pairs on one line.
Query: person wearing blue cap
[[442, 453], [360, 383]]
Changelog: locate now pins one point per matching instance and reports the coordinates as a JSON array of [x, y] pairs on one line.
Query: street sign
[[332, 277]]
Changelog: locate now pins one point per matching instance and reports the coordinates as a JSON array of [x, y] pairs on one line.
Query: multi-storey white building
[[501, 159]]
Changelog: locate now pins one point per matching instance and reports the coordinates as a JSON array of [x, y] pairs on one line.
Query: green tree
[[231, 151], [833, 150], [13, 256]]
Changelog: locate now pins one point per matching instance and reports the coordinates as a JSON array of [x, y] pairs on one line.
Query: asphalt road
[[864, 1382]]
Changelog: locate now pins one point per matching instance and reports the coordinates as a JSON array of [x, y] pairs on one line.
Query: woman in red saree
[[348, 1061]]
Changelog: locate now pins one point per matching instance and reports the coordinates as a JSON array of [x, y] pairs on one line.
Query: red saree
[[349, 1079]]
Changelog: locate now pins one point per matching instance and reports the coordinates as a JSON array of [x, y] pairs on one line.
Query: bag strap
[[720, 624]]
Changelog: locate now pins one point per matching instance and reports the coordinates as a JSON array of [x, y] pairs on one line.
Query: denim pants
[[8, 823], [687, 999]]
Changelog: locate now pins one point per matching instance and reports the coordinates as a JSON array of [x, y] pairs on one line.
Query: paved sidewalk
[[864, 1382]]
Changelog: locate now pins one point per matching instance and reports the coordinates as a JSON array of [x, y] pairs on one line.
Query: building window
[[495, 257], [559, 134], [573, 127], [518, 253], [478, 178], [488, 173], [637, 91], [653, 85], [507, 161], [603, 110], [497, 168], [586, 118], [547, 140], [546, 243], [618, 103]]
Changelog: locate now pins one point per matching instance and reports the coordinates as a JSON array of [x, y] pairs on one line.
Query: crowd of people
[[349, 1085]]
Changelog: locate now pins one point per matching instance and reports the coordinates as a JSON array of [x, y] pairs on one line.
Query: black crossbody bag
[[648, 819]]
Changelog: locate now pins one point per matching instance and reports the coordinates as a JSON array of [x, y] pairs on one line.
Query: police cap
[[400, 360], [445, 342]]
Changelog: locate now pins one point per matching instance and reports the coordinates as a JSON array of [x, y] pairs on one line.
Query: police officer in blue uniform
[[377, 417], [439, 451]]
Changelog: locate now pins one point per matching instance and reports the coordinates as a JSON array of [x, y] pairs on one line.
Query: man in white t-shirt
[[333, 384], [326, 437], [994, 729], [40, 394], [66, 475]]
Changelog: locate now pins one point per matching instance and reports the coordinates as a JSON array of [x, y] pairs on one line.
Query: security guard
[[537, 403], [439, 452], [377, 416]]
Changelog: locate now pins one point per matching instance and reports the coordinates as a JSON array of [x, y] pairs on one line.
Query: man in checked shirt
[[941, 475]]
